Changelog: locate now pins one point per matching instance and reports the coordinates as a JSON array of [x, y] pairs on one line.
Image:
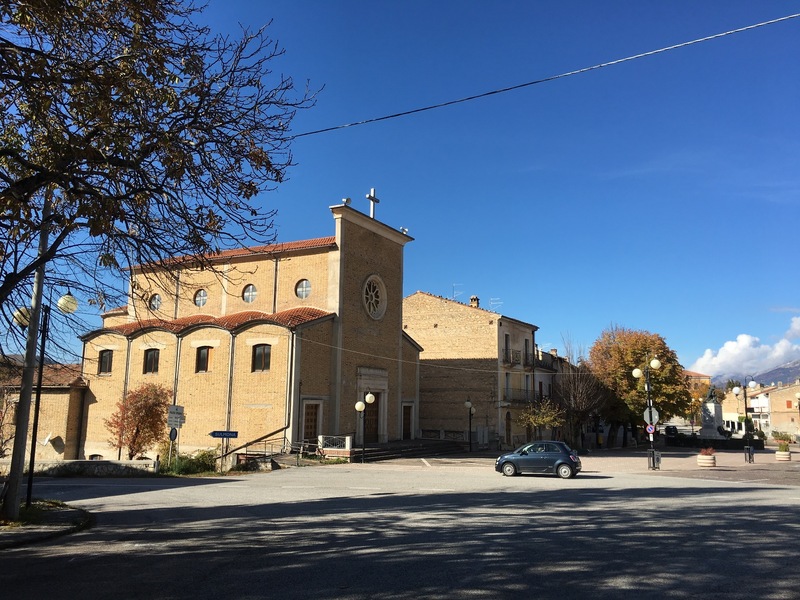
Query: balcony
[[512, 357], [518, 395]]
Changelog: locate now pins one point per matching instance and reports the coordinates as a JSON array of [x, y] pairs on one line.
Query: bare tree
[[132, 135], [579, 392]]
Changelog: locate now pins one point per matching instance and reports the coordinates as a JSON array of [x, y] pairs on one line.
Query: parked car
[[540, 457], [671, 431]]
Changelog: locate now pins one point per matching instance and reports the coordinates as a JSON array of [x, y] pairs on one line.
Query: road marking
[[427, 464]]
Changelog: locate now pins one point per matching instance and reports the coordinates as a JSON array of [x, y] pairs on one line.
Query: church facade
[[277, 346]]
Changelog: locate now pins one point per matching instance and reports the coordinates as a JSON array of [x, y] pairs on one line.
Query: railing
[[518, 395], [512, 357]]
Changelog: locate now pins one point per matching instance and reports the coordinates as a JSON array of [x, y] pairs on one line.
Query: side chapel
[[277, 349]]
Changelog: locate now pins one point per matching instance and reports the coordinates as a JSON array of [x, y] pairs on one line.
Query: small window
[[203, 359], [151, 360], [261, 357], [104, 361], [303, 289], [155, 302], [250, 292], [200, 298]]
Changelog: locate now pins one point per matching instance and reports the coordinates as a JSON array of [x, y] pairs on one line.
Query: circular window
[[155, 302], [250, 292], [303, 289], [374, 297], [200, 298]]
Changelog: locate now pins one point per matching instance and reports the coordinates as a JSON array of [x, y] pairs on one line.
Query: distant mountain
[[786, 373]]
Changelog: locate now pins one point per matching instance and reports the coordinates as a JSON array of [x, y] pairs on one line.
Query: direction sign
[[175, 416], [650, 415], [224, 434]]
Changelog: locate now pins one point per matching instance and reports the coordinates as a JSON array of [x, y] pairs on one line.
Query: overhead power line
[[551, 78]]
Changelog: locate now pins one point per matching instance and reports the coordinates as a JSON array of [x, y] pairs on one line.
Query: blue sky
[[660, 194]]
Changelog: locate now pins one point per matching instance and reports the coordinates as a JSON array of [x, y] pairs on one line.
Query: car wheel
[[564, 471], [509, 470]]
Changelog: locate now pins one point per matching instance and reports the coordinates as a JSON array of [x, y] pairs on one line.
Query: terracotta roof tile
[[54, 375], [287, 318]]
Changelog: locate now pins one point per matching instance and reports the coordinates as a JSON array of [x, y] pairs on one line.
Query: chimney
[[474, 302], [554, 352]]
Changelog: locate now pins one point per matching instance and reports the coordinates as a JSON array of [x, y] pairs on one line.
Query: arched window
[[104, 361], [202, 360], [261, 357], [151, 360]]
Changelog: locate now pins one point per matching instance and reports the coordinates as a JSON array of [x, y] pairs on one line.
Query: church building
[[276, 345]]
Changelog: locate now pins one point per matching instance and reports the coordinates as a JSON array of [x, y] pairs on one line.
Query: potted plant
[[706, 458], [783, 452]]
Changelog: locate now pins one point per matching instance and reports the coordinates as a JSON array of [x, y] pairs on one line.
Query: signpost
[[224, 434], [175, 419]]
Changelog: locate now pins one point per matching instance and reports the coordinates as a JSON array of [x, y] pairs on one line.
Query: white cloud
[[794, 330], [748, 355]]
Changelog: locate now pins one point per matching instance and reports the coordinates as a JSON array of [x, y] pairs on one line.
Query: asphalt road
[[436, 528]]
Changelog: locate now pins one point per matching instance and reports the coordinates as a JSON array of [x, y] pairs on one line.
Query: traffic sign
[[173, 434], [651, 429], [650, 415], [175, 416], [224, 434]]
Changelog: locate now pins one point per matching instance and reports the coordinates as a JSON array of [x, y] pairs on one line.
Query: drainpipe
[[290, 383]]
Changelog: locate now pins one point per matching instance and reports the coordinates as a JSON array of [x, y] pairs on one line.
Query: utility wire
[[551, 78]]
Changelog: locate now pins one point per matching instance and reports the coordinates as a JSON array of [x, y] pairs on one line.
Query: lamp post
[[470, 412], [652, 414], [67, 304], [748, 449], [361, 407], [738, 390]]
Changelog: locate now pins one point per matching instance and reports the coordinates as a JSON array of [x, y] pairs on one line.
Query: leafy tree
[[129, 134], [614, 356], [140, 419], [544, 414]]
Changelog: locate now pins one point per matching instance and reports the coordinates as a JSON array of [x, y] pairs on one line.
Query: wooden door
[[310, 422], [407, 414], [371, 420]]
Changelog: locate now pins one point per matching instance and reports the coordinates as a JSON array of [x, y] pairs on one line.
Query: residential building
[[772, 407], [62, 398], [476, 355], [277, 345]]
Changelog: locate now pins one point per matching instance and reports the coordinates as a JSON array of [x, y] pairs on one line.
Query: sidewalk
[[55, 521]]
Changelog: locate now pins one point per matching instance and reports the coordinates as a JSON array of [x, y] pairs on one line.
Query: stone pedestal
[[712, 420]]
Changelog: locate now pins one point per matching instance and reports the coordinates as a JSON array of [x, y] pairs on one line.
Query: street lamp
[[67, 304], [737, 390], [470, 411], [748, 449], [654, 364], [361, 407]]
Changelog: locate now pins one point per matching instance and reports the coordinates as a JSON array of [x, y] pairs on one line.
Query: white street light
[[361, 407]]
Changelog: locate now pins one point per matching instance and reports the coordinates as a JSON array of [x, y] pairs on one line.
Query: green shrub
[[202, 461], [782, 436], [783, 447]]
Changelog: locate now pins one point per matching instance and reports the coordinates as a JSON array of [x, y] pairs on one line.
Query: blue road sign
[[224, 434]]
